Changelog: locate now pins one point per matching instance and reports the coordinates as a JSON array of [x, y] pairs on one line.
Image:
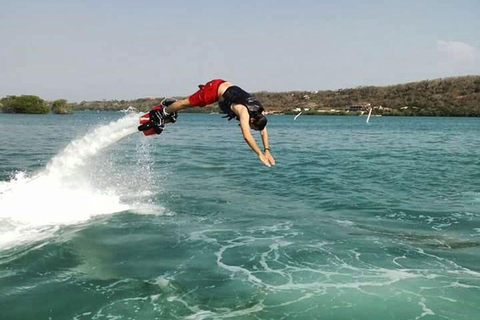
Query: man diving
[[232, 100]]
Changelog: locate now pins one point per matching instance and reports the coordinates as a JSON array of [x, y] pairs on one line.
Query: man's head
[[258, 122]]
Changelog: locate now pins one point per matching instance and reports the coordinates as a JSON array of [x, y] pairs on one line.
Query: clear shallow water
[[356, 221]]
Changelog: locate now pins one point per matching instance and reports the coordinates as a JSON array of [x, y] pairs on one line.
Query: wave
[[32, 207]]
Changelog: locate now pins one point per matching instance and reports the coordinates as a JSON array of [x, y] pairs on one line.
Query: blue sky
[[94, 50]]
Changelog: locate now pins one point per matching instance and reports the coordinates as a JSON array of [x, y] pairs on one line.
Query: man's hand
[[264, 159], [269, 157]]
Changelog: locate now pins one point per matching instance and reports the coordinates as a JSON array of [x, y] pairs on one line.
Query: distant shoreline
[[446, 97], [456, 96]]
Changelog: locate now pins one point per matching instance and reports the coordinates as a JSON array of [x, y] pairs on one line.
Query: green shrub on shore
[[24, 104], [61, 106]]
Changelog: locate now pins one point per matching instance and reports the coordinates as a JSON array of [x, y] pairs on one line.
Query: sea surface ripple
[[356, 220]]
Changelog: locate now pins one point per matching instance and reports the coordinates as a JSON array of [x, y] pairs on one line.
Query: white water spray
[[369, 114], [32, 207]]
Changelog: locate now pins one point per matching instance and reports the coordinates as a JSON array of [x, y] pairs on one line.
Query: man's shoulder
[[240, 110]]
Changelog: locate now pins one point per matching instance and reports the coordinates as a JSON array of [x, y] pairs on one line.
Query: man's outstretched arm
[[266, 146], [244, 118]]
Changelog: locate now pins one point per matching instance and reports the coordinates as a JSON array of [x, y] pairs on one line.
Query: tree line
[[31, 104], [456, 96], [459, 96]]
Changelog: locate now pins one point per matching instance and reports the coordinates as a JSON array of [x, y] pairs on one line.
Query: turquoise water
[[356, 221]]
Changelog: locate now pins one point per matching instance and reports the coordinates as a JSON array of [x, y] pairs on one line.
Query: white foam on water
[[61, 194]]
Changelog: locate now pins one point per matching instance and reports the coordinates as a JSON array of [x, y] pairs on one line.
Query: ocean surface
[[356, 220]]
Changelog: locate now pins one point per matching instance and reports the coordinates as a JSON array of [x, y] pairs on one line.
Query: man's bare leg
[[178, 105]]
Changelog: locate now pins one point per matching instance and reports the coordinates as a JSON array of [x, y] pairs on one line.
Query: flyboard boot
[[154, 121]]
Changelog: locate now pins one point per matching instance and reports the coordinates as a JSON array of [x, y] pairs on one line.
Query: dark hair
[[259, 122]]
